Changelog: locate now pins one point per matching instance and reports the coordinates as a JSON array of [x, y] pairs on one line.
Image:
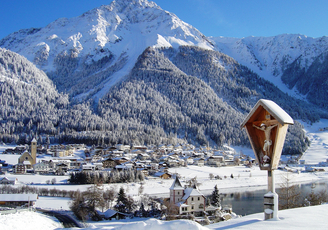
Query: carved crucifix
[[266, 126]]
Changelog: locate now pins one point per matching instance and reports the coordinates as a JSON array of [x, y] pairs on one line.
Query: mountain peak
[[116, 27], [110, 38], [126, 3]]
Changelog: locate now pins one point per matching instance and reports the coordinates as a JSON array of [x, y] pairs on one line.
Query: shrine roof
[[275, 110]]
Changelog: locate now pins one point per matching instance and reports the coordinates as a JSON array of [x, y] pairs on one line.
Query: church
[[27, 160], [188, 200]]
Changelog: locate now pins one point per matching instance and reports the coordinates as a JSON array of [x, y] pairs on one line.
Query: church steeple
[[176, 184], [176, 191], [33, 150]]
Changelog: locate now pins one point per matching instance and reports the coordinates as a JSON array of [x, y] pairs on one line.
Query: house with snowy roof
[[18, 199], [163, 175], [111, 214], [6, 180], [199, 161], [41, 167], [216, 161], [188, 200]]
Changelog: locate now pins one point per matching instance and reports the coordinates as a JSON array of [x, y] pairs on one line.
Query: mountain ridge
[[273, 57], [141, 75], [110, 31]]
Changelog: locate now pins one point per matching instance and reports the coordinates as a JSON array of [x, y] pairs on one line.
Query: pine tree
[[124, 203], [142, 210], [215, 197]]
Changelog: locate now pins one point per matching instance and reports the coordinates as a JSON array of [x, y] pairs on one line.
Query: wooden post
[[271, 199]]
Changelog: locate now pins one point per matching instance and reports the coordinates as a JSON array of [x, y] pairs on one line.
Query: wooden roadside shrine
[[266, 126]]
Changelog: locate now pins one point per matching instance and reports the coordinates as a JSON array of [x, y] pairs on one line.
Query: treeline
[[114, 176], [86, 205], [25, 189]]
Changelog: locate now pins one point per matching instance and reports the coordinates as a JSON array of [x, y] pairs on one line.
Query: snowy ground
[[245, 179], [28, 221], [311, 217], [314, 217], [318, 150]]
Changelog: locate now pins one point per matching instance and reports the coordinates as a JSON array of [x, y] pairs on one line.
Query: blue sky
[[228, 18]]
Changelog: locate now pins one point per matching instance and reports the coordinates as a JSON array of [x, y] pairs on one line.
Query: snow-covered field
[[28, 221], [301, 218], [318, 151], [244, 179]]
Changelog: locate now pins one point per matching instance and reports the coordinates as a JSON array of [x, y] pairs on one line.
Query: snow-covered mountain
[[17, 70], [153, 77], [86, 55], [274, 58], [27, 95], [104, 41]]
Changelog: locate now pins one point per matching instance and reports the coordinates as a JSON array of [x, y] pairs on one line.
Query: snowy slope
[[318, 135], [28, 221], [270, 56], [299, 218], [17, 70], [313, 217], [125, 28]]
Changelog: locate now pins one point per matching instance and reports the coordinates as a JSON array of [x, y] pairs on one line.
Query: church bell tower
[[33, 150]]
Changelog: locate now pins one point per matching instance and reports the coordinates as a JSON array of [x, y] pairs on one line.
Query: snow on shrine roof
[[275, 110]]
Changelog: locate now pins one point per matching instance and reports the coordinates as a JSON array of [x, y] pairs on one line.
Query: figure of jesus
[[267, 142]]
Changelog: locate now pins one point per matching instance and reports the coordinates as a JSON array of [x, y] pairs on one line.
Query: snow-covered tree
[[124, 203], [215, 197]]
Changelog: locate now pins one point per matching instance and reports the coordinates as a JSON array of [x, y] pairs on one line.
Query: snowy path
[[318, 150]]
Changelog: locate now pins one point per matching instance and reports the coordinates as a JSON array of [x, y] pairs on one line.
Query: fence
[[16, 210]]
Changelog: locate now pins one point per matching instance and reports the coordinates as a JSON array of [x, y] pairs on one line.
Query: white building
[[188, 200], [41, 168]]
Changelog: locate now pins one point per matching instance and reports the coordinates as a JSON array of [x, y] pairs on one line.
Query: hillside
[[130, 72], [86, 55], [295, 63], [31, 105], [199, 102], [27, 96]]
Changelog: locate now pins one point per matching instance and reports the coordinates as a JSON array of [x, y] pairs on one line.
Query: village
[[60, 159], [185, 198], [150, 160]]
